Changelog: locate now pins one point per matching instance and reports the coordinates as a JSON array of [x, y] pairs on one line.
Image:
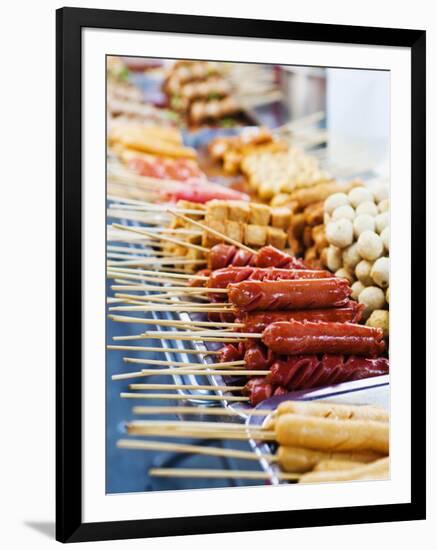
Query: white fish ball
[[334, 201], [381, 272], [363, 222], [370, 245], [373, 298], [359, 195], [382, 221], [380, 191], [351, 257], [362, 271], [334, 258], [385, 236], [384, 206], [345, 274], [357, 288], [368, 207], [387, 295], [340, 232], [345, 211]]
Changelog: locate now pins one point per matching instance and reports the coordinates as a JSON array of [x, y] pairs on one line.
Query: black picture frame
[[69, 24]]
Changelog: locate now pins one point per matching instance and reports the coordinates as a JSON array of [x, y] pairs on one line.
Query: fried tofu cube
[[208, 239], [255, 235], [234, 230], [239, 211], [259, 214], [281, 217], [216, 210], [276, 237]]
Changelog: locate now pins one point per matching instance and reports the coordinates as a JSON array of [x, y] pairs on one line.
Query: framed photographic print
[[241, 274]]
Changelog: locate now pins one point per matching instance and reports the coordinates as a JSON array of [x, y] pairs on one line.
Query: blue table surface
[[127, 470]]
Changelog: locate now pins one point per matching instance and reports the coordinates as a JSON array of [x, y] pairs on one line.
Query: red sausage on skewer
[[259, 320], [312, 371], [295, 337], [294, 294], [224, 255]]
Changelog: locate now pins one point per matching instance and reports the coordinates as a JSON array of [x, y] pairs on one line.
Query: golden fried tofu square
[[217, 210], [259, 214], [281, 217], [255, 235], [276, 237], [234, 230], [239, 211], [208, 239]]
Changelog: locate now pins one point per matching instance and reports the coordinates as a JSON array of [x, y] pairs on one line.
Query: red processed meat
[[259, 320], [312, 371], [224, 255], [289, 294], [306, 337]]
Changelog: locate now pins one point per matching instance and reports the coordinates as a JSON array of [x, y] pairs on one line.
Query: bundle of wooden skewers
[[315, 442]]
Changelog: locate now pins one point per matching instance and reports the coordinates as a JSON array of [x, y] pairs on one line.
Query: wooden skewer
[[190, 410], [134, 285], [193, 308], [183, 387], [182, 364], [164, 295], [206, 433], [182, 371], [177, 260], [183, 289], [163, 350], [186, 397], [171, 323], [173, 335], [138, 251], [152, 206], [175, 323], [220, 474], [161, 237], [165, 274], [212, 231], [192, 449], [181, 335], [137, 216]]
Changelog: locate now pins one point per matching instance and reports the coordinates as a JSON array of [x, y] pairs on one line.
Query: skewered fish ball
[[368, 207], [381, 221], [357, 288], [351, 257], [370, 245], [362, 272], [340, 232], [372, 298], [334, 258], [334, 201], [344, 211], [381, 272], [359, 195], [363, 222]]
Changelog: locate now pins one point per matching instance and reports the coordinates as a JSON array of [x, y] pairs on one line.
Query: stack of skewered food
[[315, 442], [200, 92]]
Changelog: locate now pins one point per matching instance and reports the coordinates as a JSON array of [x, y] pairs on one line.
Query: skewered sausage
[[373, 471], [332, 435], [295, 294], [333, 410], [224, 255], [258, 321], [310, 371], [296, 459], [221, 278], [296, 337]]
